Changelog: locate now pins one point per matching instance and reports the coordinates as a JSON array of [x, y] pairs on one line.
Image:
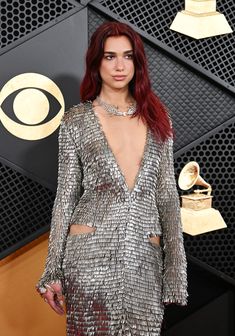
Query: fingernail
[[61, 303]]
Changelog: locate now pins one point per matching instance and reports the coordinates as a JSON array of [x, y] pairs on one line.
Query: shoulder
[[73, 118], [167, 149], [73, 114], [73, 121], [166, 143]]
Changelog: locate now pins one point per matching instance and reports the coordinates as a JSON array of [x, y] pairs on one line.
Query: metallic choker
[[114, 109]]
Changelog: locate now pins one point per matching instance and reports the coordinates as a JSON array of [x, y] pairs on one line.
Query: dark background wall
[[194, 78]]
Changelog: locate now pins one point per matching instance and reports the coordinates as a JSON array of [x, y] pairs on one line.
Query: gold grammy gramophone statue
[[197, 214]]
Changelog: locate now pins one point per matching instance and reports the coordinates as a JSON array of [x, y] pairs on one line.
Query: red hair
[[149, 106]]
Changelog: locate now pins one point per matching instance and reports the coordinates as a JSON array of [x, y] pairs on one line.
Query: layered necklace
[[114, 109]]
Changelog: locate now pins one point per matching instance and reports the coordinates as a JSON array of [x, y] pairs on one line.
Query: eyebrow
[[114, 53]]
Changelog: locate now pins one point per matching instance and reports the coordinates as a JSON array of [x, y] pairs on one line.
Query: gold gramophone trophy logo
[[197, 214]]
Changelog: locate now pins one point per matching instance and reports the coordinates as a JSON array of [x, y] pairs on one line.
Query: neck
[[116, 97]]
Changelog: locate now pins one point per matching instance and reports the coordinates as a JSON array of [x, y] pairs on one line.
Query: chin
[[119, 85]]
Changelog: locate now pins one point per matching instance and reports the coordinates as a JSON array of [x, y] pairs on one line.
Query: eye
[[129, 56], [34, 100], [109, 57]]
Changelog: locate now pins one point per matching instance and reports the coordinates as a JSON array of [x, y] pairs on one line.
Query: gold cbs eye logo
[[31, 106]]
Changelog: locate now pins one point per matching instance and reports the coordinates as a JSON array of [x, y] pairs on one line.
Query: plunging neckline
[[117, 165]]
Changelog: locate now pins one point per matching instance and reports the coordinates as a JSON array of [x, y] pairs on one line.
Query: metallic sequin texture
[[114, 279]]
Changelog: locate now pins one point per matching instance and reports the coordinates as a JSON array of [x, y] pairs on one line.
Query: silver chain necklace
[[114, 109]]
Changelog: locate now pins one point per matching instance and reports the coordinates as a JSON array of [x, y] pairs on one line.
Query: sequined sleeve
[[67, 196], [175, 264]]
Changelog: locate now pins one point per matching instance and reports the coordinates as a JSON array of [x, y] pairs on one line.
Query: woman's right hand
[[54, 297]]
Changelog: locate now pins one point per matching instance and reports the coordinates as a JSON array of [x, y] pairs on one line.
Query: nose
[[119, 64]]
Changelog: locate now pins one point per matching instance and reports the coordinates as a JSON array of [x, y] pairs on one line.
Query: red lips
[[119, 78]]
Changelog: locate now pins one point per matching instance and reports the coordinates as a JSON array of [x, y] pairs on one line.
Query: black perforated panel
[[25, 208], [20, 17], [153, 17]]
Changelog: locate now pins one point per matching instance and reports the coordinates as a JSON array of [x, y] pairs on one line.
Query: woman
[[116, 246]]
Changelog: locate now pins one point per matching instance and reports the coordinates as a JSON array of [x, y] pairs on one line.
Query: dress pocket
[[154, 239], [157, 249], [80, 236]]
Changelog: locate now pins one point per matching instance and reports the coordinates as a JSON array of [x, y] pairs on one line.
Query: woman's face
[[117, 67]]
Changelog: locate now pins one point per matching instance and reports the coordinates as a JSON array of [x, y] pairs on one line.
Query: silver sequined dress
[[114, 279]]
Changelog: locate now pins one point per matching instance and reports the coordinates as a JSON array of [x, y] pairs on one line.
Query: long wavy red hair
[[149, 107]]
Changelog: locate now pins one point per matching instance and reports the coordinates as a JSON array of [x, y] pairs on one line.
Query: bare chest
[[126, 139]]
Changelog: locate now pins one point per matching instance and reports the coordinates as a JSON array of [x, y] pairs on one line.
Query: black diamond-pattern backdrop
[[215, 54], [197, 107], [25, 209], [191, 99], [20, 17]]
